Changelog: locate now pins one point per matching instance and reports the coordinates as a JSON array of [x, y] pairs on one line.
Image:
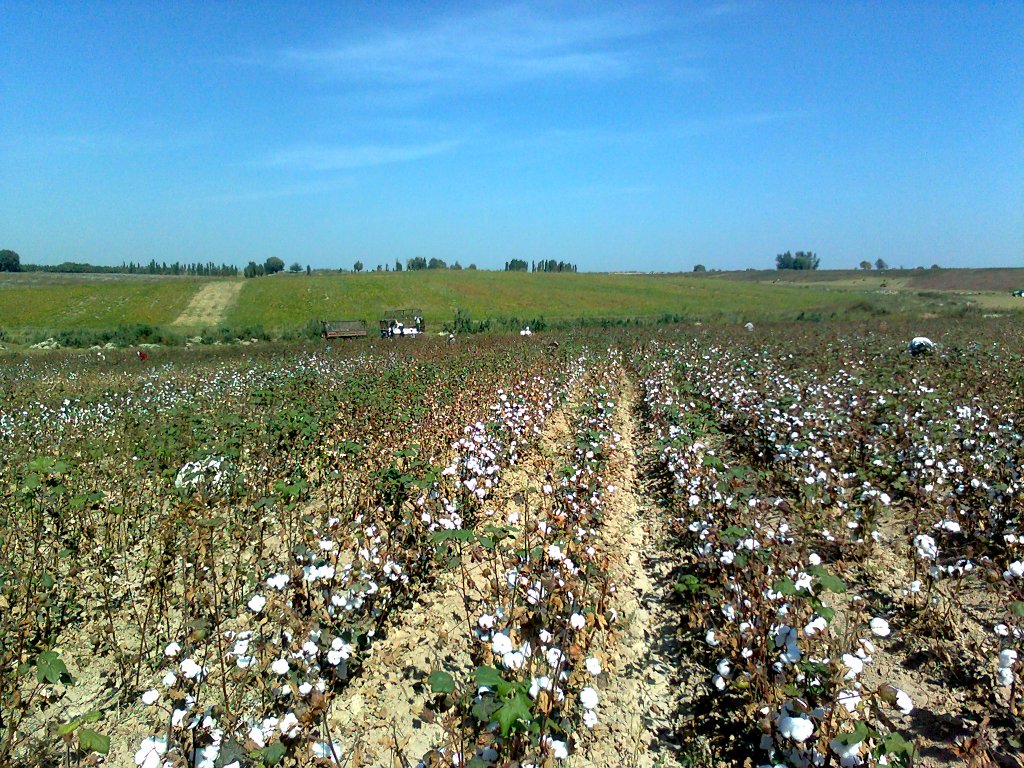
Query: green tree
[[880, 264], [436, 263], [699, 268], [358, 266], [9, 261], [865, 265], [798, 260], [295, 267], [398, 266], [416, 262], [273, 265]]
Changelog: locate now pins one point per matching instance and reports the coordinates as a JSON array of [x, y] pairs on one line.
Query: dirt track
[[210, 304]]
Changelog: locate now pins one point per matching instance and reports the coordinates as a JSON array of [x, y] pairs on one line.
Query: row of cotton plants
[[537, 683], [866, 439], [785, 650], [312, 624]]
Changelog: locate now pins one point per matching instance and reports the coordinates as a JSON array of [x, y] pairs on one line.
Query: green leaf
[[513, 711], [860, 732], [831, 583], [49, 668], [457, 534], [895, 744], [68, 727], [1017, 608], [785, 587], [488, 677], [441, 682], [825, 612], [90, 741], [273, 754], [92, 716]]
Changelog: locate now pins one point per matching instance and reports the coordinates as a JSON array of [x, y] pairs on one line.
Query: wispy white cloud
[[325, 158], [495, 47], [272, 193]]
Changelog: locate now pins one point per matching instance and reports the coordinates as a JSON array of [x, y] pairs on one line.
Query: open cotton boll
[[589, 698], [848, 754], [500, 644], [853, 664], [151, 752], [880, 627], [799, 729], [280, 667], [256, 603], [593, 666]]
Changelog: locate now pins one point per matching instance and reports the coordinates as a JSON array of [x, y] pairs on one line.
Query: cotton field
[[684, 546]]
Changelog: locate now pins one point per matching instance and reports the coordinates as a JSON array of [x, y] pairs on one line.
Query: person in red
[[142, 355]]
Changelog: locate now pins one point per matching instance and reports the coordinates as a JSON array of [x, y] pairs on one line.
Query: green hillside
[[286, 300], [73, 301]]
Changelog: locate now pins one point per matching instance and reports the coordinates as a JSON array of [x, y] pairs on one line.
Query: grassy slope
[[58, 302], [291, 300], [995, 279]]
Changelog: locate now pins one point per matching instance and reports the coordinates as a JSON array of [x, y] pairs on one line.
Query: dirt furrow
[[642, 694]]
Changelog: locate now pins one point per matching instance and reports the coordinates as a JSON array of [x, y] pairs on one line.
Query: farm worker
[[920, 345], [141, 355], [451, 338]]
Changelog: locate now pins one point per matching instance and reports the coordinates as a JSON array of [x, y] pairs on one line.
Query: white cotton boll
[[926, 547], [150, 697], [169, 679], [948, 525], [545, 636], [848, 754], [1007, 657], [278, 581], [172, 650], [593, 666], [588, 698], [191, 670], [256, 603], [1014, 571], [814, 626], [151, 752], [719, 682], [915, 586], [799, 729], [486, 621], [710, 638], [849, 699], [289, 725], [903, 702], [590, 718], [853, 664], [814, 559], [1004, 676], [880, 627], [513, 660], [724, 668], [577, 621], [500, 644], [280, 667], [1001, 629]]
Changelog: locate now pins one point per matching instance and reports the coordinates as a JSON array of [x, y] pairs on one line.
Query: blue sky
[[617, 136]]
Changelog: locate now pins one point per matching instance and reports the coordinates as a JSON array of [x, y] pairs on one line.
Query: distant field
[[287, 300], [33, 305], [53, 301], [996, 280]]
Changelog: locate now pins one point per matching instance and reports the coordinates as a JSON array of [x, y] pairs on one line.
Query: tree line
[[10, 261]]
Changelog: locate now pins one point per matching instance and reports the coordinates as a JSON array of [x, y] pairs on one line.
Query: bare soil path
[[643, 692], [210, 305]]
